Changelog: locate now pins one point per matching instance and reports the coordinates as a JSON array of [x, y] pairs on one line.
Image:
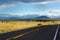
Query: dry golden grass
[[18, 25]]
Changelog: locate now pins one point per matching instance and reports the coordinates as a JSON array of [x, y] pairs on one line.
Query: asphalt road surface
[[50, 32], [58, 35]]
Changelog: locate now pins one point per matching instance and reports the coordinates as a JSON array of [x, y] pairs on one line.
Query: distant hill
[[13, 18], [18, 17], [23, 17], [43, 17]]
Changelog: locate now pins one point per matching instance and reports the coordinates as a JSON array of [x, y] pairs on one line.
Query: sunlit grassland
[[8, 26]]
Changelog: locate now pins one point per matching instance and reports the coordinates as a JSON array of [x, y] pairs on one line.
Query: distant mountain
[[28, 16], [32, 16], [14, 17], [43, 17]]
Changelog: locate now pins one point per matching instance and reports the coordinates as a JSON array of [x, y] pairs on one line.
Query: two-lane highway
[[36, 33]]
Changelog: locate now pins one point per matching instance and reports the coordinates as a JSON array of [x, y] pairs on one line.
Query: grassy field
[[8, 26]]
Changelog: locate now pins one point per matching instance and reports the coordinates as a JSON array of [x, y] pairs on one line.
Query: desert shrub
[[39, 24]]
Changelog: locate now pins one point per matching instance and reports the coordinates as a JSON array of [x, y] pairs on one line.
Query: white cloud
[[51, 13], [6, 5], [22, 14], [43, 2], [38, 3]]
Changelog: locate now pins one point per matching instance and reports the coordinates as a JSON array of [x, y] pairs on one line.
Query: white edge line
[[56, 33]]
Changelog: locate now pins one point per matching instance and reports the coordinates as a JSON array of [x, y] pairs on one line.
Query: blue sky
[[50, 8]]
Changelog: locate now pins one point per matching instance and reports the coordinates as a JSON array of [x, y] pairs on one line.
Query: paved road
[[58, 35], [37, 33]]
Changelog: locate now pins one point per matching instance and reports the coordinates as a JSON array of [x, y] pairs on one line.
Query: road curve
[[36, 33]]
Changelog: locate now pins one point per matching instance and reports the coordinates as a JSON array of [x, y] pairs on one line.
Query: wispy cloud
[[51, 13], [7, 3], [33, 1], [15, 14], [23, 1], [38, 3]]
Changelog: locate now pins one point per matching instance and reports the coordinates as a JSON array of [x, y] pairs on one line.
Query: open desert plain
[[8, 26]]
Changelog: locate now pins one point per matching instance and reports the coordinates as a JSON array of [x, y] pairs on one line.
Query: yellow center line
[[19, 36]]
